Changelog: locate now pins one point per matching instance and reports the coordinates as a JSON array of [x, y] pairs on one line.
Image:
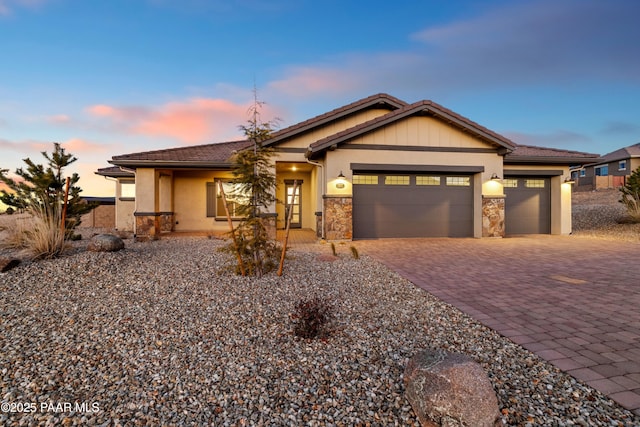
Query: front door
[[293, 203]]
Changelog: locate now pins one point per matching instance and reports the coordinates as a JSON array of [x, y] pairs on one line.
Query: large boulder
[[105, 243], [450, 389]]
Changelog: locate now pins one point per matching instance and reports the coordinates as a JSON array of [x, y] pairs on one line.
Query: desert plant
[[311, 318], [44, 238], [9, 211], [631, 196], [354, 252]]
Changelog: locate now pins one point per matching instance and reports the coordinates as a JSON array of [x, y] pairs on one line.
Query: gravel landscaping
[[164, 333]]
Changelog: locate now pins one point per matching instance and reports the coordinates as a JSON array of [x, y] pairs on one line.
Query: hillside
[[596, 213]]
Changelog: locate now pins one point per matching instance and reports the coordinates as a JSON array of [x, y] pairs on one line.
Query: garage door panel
[[412, 210], [528, 209]]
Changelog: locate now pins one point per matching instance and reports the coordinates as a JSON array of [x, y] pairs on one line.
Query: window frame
[[219, 213], [622, 165]]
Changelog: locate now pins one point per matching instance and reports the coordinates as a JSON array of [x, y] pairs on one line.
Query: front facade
[[609, 171], [376, 168]]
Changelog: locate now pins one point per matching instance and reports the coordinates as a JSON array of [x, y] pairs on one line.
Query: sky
[[110, 77]]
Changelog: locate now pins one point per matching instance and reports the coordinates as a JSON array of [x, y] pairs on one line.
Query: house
[[609, 171], [378, 167]]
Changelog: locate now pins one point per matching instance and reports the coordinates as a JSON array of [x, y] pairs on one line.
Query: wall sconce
[[569, 180], [495, 177], [341, 179]]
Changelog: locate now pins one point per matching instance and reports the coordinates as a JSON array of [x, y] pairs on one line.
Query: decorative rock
[[105, 243], [450, 389], [7, 264]]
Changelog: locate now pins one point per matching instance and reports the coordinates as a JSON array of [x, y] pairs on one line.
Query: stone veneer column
[[151, 224], [269, 222], [319, 225], [492, 216], [338, 221]]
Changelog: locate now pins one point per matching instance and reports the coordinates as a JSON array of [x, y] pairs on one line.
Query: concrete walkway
[[574, 301]]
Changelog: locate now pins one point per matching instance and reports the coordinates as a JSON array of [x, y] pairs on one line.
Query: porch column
[[493, 216], [147, 202], [338, 220]]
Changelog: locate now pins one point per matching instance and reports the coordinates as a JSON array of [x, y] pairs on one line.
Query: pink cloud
[[192, 121], [59, 119], [77, 145], [305, 81]]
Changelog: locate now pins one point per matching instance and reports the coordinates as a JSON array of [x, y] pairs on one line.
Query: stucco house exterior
[[378, 167], [609, 171]]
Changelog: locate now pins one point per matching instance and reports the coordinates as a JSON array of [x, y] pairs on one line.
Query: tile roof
[[207, 154], [621, 154], [114, 172], [380, 100], [532, 153]]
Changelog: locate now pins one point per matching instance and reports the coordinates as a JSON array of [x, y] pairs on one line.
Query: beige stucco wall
[[125, 206], [190, 201]]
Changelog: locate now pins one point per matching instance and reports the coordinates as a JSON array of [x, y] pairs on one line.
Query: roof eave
[[189, 164], [548, 159]]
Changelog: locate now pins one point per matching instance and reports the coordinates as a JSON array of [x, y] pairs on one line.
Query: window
[[127, 190], [602, 170], [215, 204], [510, 183], [365, 179], [459, 181], [396, 180], [534, 183], [583, 172], [427, 180], [622, 165]]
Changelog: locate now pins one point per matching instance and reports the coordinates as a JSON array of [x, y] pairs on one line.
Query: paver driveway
[[574, 301]]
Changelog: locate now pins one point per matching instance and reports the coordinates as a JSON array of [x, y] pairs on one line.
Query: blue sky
[[113, 77]]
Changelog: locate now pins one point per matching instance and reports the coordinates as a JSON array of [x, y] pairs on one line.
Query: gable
[[303, 140], [420, 131]]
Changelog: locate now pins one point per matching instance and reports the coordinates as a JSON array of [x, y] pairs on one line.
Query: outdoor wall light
[[341, 179], [569, 180], [495, 177]]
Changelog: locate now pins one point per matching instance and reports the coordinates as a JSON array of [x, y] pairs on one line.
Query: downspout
[[324, 189]]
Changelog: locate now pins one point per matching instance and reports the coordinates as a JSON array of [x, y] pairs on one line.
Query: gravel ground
[[163, 333], [597, 214]]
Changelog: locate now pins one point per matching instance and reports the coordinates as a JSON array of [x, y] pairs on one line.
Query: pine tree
[[255, 180], [43, 187]]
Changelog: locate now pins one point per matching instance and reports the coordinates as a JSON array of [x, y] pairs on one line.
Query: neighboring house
[[378, 167], [609, 171]]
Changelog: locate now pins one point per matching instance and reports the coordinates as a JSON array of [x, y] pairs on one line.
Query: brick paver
[[574, 301]]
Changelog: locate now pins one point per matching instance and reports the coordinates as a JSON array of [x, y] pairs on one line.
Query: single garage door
[[527, 205], [412, 205]]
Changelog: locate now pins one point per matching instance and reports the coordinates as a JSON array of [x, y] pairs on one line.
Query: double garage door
[[412, 205], [441, 205]]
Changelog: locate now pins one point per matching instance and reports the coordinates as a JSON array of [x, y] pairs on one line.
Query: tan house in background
[[378, 167], [609, 171]]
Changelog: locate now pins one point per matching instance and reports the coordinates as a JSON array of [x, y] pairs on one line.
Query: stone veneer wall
[[338, 221], [319, 225], [269, 221], [152, 224], [492, 216]]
